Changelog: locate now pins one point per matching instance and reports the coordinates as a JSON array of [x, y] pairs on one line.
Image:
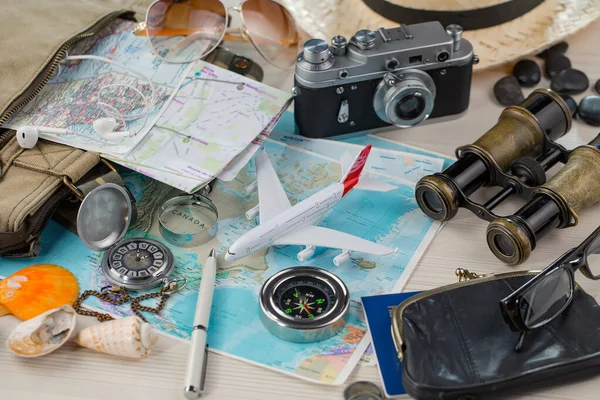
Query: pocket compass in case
[[304, 304], [103, 219]]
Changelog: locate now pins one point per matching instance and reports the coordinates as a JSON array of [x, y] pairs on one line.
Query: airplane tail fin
[[368, 183], [352, 174], [353, 169]]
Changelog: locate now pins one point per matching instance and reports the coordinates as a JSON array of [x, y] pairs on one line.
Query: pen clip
[[203, 378]]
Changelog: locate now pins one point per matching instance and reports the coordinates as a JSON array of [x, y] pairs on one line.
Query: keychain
[[117, 295]]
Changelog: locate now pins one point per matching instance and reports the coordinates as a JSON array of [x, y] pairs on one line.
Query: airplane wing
[[272, 199], [324, 237]]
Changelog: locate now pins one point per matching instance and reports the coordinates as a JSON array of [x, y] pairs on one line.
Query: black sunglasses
[[551, 291]]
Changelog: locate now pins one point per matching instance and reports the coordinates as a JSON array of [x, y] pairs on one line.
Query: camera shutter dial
[[456, 32], [316, 51], [365, 39]]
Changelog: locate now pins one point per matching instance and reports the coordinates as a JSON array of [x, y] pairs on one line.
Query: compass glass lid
[[104, 216], [304, 304]]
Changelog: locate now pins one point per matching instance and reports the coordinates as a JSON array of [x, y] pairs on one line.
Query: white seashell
[[43, 334], [128, 337]]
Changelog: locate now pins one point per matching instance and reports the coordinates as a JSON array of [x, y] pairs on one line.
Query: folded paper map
[[70, 99], [215, 116]]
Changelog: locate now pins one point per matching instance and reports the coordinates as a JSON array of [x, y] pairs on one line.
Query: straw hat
[[541, 22]]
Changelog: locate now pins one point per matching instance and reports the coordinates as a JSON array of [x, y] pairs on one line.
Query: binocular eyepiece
[[514, 154], [521, 131], [555, 204]]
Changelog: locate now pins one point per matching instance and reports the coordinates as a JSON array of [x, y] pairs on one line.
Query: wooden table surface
[[76, 373]]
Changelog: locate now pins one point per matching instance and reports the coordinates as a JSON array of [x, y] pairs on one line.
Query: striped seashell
[[128, 337]]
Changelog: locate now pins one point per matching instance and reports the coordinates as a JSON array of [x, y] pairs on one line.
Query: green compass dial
[[305, 298]]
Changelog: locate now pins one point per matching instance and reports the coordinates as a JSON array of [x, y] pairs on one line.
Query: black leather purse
[[455, 344]]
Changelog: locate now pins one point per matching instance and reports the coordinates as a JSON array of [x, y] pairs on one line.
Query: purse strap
[[30, 177]]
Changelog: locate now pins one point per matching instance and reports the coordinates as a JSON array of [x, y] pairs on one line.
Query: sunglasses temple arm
[[520, 342], [234, 35], [231, 34], [190, 38]]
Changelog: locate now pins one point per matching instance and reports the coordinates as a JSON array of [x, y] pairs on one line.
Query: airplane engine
[[251, 188], [252, 213], [307, 253], [342, 258]]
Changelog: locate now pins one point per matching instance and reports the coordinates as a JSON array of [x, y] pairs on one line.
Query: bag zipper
[[33, 90], [41, 223], [5, 137], [42, 79], [465, 278]]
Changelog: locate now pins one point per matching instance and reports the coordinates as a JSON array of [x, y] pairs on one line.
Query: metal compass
[[304, 304], [137, 263]]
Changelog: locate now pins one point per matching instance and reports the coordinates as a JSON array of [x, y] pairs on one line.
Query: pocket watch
[[102, 221]]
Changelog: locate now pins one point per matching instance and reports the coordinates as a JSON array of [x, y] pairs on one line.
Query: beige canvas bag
[[34, 182]]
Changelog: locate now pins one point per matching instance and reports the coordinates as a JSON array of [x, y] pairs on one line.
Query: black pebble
[[527, 73], [570, 81], [508, 92], [560, 48], [597, 86], [571, 103], [589, 110], [556, 63]]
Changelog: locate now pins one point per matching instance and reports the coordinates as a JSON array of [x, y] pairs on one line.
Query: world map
[[235, 329]]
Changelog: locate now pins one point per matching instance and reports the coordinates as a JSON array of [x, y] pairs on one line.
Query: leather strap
[[30, 177], [109, 177], [477, 18]]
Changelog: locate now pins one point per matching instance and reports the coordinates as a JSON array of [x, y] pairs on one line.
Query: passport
[[379, 310]]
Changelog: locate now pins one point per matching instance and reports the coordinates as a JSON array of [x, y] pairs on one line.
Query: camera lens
[[410, 107], [504, 245], [443, 56], [404, 99]]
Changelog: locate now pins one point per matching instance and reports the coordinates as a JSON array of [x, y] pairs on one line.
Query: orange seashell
[[4, 311], [34, 290]]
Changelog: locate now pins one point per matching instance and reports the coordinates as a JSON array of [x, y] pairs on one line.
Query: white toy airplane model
[[281, 224]]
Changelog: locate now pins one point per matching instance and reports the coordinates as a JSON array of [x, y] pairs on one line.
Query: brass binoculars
[[515, 155]]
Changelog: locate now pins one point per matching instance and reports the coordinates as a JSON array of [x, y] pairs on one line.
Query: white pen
[[196, 368]]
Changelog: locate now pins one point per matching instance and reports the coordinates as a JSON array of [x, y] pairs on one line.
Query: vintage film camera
[[398, 76], [514, 154]]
